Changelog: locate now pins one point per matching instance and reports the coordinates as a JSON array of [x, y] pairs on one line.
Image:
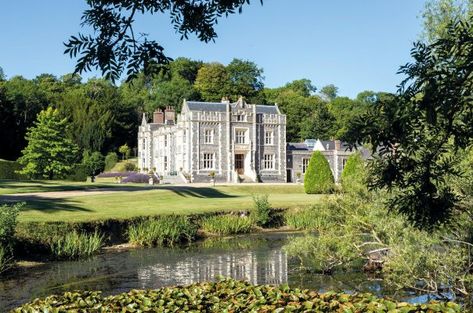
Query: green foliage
[[320, 124], [318, 177], [166, 230], [313, 218], [212, 82], [124, 149], [416, 132], [79, 173], [245, 79], [261, 213], [329, 92], [110, 160], [227, 224], [73, 245], [438, 15], [8, 221], [10, 169], [354, 232], [354, 174], [94, 163], [228, 295], [49, 153]]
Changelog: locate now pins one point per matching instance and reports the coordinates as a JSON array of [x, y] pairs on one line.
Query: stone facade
[[233, 141]]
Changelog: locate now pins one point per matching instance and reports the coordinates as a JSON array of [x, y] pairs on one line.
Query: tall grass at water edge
[[312, 218], [74, 245], [166, 230], [227, 224]]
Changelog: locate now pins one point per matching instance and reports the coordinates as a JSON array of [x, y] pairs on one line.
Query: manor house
[[232, 142]]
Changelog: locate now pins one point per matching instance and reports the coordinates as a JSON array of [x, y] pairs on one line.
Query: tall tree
[[439, 14], [329, 92], [418, 132], [115, 50], [212, 82], [320, 124], [245, 79], [49, 154]]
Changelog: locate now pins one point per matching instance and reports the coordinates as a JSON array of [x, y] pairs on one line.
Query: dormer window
[[241, 118]]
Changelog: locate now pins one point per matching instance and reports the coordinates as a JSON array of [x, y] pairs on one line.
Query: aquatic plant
[[312, 218], [227, 224], [261, 212], [166, 230], [74, 245], [5, 259], [228, 295]]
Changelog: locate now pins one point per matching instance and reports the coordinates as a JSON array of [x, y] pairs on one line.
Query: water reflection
[[255, 258]]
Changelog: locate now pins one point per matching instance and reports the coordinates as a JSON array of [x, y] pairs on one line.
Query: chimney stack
[[158, 117], [225, 100], [169, 115], [338, 145]]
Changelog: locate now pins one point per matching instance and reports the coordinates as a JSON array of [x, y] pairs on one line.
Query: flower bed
[[228, 296], [115, 174], [139, 178]]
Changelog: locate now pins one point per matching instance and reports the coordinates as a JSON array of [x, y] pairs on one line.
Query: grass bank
[[161, 200]]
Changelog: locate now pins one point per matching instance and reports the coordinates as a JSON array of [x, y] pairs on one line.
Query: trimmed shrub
[[227, 224], [8, 170], [167, 231], [110, 160], [115, 174], [354, 174], [74, 245], [228, 295], [261, 212], [318, 178], [79, 173]]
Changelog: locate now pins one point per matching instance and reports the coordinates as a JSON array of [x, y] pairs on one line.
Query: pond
[[257, 258]]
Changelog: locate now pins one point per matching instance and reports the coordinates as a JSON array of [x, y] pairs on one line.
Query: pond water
[[257, 258]]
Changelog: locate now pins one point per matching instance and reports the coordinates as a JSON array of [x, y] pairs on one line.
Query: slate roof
[[296, 146], [221, 107], [206, 106]]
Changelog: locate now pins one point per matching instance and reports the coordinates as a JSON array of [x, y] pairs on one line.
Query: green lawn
[[162, 200], [28, 186]]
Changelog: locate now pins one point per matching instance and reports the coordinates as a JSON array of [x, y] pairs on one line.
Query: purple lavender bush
[[139, 178], [115, 174]]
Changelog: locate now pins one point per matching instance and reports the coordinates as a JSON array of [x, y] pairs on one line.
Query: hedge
[[353, 174], [110, 160], [78, 174], [227, 295], [318, 177], [8, 168]]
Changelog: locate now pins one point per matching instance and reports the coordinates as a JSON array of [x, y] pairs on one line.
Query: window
[[305, 164], [268, 162], [208, 136], [165, 140], [268, 137], [165, 163], [344, 163], [208, 162], [241, 118], [184, 136], [240, 136]]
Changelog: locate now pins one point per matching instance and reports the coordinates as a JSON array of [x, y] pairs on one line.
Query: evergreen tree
[[318, 178], [49, 153], [354, 174]]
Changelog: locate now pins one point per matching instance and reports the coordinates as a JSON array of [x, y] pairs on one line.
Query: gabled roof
[[297, 146]]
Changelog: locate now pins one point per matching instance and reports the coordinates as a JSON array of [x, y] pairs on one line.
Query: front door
[[240, 163]]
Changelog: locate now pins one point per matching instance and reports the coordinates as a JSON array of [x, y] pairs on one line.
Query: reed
[[74, 245], [5, 259], [165, 231], [227, 224], [305, 219]]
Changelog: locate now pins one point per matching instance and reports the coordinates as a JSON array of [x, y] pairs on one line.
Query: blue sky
[[355, 44]]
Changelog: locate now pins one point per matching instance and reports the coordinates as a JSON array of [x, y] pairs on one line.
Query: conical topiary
[[318, 177], [354, 174]]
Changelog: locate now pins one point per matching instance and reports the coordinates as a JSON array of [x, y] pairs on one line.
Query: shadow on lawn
[[196, 192], [46, 205]]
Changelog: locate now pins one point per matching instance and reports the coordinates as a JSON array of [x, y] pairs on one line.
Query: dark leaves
[[114, 49]]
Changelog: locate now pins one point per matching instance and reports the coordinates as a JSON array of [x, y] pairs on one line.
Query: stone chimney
[[225, 100], [169, 115], [338, 145], [158, 116]]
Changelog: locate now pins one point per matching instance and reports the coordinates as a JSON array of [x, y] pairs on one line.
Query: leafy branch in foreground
[[418, 133], [115, 48]]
